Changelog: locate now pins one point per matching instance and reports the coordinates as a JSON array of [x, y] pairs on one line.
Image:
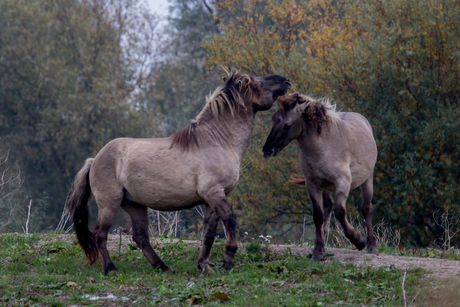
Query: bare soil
[[436, 268]]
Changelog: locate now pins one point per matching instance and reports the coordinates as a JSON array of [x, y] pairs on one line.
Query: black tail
[[78, 208]]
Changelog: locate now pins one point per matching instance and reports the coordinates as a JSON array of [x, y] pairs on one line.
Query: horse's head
[[272, 87], [287, 123], [253, 93]]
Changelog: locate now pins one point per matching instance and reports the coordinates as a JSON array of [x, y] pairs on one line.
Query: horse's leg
[[108, 208], [217, 200], [340, 211], [367, 190], [210, 222], [328, 203], [140, 223], [318, 218]]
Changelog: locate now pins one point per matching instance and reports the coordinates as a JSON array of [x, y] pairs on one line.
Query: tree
[[10, 198], [70, 73], [396, 62], [179, 82]]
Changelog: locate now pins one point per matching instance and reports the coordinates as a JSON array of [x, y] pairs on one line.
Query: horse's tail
[[77, 206], [297, 180]]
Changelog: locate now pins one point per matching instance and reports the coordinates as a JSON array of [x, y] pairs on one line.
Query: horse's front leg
[[219, 204], [328, 203], [319, 218], [211, 219]]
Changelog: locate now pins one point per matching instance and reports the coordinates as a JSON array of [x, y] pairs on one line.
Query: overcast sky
[[159, 7]]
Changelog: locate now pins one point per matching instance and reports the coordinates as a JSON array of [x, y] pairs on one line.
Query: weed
[[253, 247]]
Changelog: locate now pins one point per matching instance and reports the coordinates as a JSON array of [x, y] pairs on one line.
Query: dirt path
[[437, 268]]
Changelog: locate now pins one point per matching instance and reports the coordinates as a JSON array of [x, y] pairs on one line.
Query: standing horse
[[337, 154], [200, 164]]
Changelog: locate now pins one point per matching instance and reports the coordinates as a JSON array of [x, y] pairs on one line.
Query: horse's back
[[158, 174], [344, 150], [146, 171]]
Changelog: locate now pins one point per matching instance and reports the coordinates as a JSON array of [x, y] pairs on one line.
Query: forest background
[[76, 74]]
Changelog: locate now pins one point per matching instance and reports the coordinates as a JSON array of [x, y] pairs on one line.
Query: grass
[[51, 274]]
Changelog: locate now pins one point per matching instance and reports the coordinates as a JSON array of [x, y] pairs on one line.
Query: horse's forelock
[[287, 102]]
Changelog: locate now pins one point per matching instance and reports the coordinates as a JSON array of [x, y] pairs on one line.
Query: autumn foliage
[[397, 62]]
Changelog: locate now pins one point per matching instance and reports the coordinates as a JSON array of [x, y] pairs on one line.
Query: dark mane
[[227, 100]]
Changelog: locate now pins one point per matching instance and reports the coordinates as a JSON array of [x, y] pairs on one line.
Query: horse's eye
[[286, 126]]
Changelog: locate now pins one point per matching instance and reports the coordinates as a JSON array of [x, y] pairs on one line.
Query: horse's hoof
[[207, 270], [110, 267], [228, 263], [317, 257], [361, 245], [372, 250]]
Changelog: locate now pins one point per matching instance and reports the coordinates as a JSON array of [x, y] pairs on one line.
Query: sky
[[159, 7]]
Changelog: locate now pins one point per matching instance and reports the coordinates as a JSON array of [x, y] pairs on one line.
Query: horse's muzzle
[[270, 153]]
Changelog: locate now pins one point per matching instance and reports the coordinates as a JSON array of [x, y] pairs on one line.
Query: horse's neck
[[238, 133], [310, 141]]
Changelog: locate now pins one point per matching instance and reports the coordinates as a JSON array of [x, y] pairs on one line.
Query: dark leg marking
[[367, 191], [340, 213], [211, 219], [218, 202], [140, 223], [318, 217]]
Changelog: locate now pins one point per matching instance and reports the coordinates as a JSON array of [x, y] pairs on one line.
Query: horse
[[337, 154], [199, 164]]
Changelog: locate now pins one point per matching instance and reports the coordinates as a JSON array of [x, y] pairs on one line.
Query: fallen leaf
[[220, 296], [72, 284], [316, 272]]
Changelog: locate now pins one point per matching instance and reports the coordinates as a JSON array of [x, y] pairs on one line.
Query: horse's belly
[[357, 181], [322, 184], [162, 197], [359, 174]]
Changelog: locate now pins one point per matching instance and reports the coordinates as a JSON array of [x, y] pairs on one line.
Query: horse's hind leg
[[140, 223], [107, 212], [211, 219], [318, 218], [367, 190], [340, 211]]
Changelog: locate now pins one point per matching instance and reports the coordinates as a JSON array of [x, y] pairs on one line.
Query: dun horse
[[337, 154], [198, 165]]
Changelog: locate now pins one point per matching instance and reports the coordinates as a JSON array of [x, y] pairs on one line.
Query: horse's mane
[[320, 110], [227, 100]]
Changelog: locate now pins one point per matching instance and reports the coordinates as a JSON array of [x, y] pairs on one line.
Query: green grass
[[39, 274]]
